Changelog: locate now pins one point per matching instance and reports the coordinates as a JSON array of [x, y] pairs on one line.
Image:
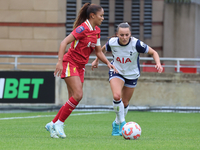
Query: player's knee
[[78, 95], [116, 96]]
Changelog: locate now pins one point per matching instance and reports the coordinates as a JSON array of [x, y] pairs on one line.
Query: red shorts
[[72, 69]]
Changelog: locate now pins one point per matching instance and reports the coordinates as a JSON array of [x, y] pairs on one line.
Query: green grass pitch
[[160, 131]]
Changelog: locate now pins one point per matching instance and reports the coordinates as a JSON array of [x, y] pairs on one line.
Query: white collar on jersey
[[89, 25]]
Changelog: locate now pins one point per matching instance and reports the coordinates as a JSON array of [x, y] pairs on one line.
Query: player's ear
[[92, 15]]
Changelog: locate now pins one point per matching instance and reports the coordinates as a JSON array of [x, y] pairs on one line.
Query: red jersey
[[82, 47]]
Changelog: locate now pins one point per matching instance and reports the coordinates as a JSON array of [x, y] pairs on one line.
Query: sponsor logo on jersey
[[123, 60], [80, 29], [91, 45]]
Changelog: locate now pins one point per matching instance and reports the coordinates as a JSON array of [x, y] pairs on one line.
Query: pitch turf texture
[[160, 131]]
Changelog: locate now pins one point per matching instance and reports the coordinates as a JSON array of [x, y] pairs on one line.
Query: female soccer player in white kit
[[125, 50]]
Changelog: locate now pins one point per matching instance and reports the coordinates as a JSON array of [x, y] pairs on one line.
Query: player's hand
[[159, 68], [59, 69], [112, 67], [95, 64]]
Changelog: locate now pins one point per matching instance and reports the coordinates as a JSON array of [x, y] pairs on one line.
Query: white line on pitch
[[40, 116]]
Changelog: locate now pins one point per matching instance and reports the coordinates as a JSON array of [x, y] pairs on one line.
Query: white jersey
[[126, 57]]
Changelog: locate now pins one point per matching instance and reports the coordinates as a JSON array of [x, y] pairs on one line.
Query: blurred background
[[31, 32]]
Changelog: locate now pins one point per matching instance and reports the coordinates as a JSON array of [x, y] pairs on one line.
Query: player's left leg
[[49, 126], [75, 84], [74, 79], [59, 112], [127, 93]]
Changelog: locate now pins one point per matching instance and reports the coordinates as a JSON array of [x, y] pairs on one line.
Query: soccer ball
[[131, 131]]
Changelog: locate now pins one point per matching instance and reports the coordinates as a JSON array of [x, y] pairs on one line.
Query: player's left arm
[[156, 58]]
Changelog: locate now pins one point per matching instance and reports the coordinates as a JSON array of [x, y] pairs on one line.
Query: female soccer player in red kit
[[85, 38]]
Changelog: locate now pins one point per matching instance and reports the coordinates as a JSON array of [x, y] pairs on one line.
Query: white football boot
[[49, 127]]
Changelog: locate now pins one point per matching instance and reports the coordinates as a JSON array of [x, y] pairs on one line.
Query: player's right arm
[[95, 63], [70, 38]]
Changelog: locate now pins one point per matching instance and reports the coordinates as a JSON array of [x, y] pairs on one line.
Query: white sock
[[126, 110], [119, 110], [51, 123], [59, 122], [116, 120]]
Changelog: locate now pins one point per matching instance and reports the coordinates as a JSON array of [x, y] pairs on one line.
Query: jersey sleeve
[[98, 31], [98, 42], [141, 47], [78, 33], [108, 49]]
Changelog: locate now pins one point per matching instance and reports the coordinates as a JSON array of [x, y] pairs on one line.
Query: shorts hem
[[116, 77]]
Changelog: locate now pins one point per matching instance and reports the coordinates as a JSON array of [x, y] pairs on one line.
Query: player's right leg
[[116, 85], [115, 129]]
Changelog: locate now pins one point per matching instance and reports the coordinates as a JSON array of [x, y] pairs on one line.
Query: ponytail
[[85, 12]]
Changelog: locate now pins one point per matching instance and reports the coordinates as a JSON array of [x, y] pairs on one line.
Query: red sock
[[58, 114], [69, 106]]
